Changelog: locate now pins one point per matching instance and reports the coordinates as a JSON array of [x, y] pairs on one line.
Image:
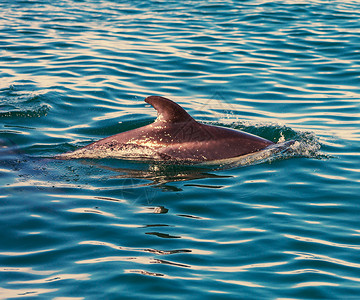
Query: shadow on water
[[156, 174]]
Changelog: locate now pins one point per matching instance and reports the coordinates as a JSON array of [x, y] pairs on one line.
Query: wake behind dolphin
[[176, 137]]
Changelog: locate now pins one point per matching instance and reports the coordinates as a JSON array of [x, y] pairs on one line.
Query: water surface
[[73, 72]]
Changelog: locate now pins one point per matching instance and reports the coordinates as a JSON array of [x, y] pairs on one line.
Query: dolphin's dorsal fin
[[168, 111]]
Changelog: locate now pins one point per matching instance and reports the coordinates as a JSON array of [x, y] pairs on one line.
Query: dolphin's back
[[174, 136]]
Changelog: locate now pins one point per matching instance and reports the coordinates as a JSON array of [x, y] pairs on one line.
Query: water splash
[[23, 101]]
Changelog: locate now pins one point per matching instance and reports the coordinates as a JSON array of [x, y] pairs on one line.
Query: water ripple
[[75, 72]]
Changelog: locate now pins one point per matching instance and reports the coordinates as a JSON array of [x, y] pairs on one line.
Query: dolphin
[[173, 137]]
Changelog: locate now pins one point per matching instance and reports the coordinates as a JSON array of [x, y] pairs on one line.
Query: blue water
[[73, 72]]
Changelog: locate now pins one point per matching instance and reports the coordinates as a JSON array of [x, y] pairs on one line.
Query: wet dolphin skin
[[175, 137]]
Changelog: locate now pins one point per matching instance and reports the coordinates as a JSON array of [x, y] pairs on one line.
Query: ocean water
[[72, 72]]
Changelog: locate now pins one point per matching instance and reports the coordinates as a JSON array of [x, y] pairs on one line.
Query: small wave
[[23, 102], [129, 151], [305, 143]]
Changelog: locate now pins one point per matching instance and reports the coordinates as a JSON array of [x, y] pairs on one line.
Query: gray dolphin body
[[174, 137]]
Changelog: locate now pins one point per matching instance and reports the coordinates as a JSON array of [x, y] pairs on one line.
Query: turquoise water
[[73, 72]]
